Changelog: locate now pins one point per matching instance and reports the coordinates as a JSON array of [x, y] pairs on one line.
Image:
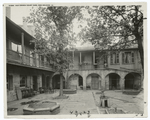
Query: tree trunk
[[61, 85], [141, 51]]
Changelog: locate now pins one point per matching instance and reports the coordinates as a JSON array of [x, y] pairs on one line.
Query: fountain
[[105, 105], [42, 108], [104, 100]]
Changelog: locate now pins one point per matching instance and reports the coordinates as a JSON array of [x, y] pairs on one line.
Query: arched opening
[[80, 81], [75, 80], [56, 82], [93, 81], [35, 83], [114, 81], [47, 82], [132, 81], [43, 81]]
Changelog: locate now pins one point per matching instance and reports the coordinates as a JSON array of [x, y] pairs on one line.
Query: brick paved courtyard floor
[[85, 101]]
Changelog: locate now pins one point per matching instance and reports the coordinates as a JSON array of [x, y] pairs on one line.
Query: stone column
[[93, 57], [39, 81], [22, 44], [80, 58], [37, 60], [108, 59], [28, 81], [103, 83], [72, 56], [84, 83], [31, 82], [107, 83], [51, 82], [45, 62], [122, 83]]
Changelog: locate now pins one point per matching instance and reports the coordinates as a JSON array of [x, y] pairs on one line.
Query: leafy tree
[[54, 35], [115, 27]]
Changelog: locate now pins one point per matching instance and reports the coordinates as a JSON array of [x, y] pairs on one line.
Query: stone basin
[[117, 111], [42, 108], [69, 91], [104, 112]]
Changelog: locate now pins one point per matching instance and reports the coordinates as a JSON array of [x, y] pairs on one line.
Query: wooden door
[[35, 83], [94, 83]]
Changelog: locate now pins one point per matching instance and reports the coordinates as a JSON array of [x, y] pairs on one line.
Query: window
[[9, 82], [96, 58], [114, 58], [132, 55], [117, 58], [16, 47], [47, 59], [105, 58], [128, 57], [122, 57], [111, 58], [42, 58], [23, 81], [82, 58]]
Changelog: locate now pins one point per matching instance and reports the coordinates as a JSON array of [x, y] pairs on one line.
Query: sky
[[18, 12], [17, 17]]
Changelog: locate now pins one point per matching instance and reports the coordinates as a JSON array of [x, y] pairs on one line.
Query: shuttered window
[[23, 81], [117, 58], [127, 57], [111, 58], [114, 58], [132, 57], [15, 47], [123, 58], [9, 82]]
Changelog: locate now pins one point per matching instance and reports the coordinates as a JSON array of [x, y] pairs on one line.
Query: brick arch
[[57, 74], [132, 73], [74, 74], [94, 73], [119, 72], [75, 79], [93, 82], [55, 81], [113, 80], [113, 73], [132, 80]]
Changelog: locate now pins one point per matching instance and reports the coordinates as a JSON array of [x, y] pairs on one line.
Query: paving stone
[[84, 101]]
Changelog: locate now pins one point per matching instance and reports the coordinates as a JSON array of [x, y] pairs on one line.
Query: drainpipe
[[93, 57], [80, 58], [73, 56]]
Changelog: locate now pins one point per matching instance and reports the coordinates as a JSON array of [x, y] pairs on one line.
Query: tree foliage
[[115, 27], [53, 33]]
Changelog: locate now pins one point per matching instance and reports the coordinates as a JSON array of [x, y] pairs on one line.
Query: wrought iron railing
[[85, 66], [16, 57]]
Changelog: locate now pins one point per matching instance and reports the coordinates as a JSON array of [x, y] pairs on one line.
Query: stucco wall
[[104, 75], [89, 59], [88, 81], [16, 72], [73, 80]]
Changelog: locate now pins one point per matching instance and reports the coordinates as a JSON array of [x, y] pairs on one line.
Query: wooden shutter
[[11, 82], [132, 57], [123, 61]]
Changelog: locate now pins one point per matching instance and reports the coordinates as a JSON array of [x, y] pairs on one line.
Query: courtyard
[[84, 102]]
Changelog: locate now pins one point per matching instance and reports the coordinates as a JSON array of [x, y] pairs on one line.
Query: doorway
[[114, 81], [35, 83]]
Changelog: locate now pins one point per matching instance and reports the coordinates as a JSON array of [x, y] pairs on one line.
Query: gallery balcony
[[89, 66], [16, 58]]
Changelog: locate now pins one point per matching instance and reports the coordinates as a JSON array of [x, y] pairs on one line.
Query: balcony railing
[[88, 66], [27, 60]]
